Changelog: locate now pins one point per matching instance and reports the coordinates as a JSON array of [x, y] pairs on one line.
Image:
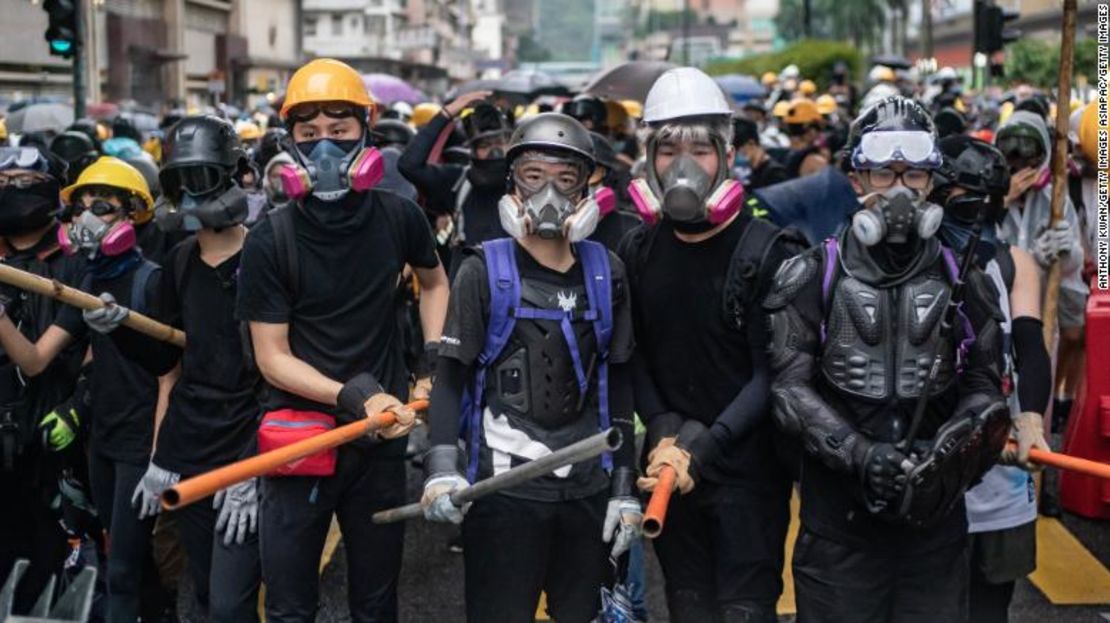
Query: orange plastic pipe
[[1070, 463], [199, 487], [656, 512]]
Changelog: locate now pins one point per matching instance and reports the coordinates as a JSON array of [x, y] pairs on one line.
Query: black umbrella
[[891, 60], [628, 81]]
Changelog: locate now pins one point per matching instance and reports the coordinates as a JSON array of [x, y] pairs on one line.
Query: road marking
[[1067, 574], [786, 603]]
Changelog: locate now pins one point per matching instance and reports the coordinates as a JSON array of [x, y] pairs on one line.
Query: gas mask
[[548, 211], [898, 213], [214, 211], [88, 234], [685, 193], [328, 171]]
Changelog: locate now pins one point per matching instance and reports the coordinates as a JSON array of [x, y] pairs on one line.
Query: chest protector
[[524, 355]]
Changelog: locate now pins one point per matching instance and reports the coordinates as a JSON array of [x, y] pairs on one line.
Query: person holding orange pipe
[[317, 287]]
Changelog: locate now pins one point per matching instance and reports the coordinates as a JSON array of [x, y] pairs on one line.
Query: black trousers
[[998, 559], [113, 485], [296, 513], [516, 548], [722, 552], [28, 528], [226, 576], [837, 583]]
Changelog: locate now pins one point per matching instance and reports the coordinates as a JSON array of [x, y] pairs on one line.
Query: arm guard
[[797, 407]]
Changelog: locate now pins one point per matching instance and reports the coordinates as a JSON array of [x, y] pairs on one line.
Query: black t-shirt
[[155, 243], [124, 394], [481, 220], [342, 321], [698, 361], [213, 409], [31, 398], [464, 337]]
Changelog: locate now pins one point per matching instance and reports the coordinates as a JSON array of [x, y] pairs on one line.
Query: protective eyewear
[[877, 149], [917, 179], [98, 199], [195, 180], [334, 110], [530, 177], [1020, 147], [23, 158], [966, 208]]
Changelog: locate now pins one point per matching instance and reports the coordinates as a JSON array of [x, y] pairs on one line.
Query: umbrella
[[792, 203], [40, 117], [388, 89], [891, 60], [741, 88], [628, 81], [529, 82]]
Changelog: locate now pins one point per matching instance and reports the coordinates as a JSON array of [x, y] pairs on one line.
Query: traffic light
[[61, 33], [991, 34]]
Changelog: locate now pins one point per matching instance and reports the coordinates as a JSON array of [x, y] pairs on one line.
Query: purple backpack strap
[[832, 257], [952, 267], [599, 290], [504, 296]]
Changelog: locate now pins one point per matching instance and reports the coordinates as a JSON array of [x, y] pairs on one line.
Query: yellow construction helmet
[[1088, 132], [113, 172], [616, 115], [807, 87], [248, 131], [3, 129], [633, 108], [326, 80], [769, 78], [826, 104], [423, 113], [801, 112], [781, 108], [153, 146]]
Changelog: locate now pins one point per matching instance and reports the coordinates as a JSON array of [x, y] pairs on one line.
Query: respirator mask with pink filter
[[88, 233]]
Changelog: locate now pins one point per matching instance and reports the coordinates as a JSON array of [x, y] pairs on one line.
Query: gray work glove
[[238, 506], [1052, 242], [436, 500], [106, 319], [148, 493], [623, 520], [1028, 433]]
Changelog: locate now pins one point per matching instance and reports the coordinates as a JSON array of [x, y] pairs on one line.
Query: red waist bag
[[285, 426]]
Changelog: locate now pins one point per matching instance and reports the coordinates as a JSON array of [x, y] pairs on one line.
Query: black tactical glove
[[883, 473]]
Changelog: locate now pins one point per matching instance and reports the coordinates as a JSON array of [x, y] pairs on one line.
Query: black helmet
[[604, 153], [274, 141], [77, 149], [203, 141], [392, 132], [123, 128], [485, 120], [975, 166], [87, 127], [552, 130], [587, 108], [949, 121]]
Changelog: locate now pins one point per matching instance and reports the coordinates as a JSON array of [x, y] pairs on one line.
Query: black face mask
[[490, 173], [689, 227], [24, 210]]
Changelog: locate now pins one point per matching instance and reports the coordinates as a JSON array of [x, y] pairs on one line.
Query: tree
[[860, 21], [1037, 61]]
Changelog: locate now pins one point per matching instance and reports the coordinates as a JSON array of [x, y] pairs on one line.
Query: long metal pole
[[79, 60]]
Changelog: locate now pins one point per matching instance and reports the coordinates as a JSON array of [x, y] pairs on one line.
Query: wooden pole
[[1059, 164], [72, 296]]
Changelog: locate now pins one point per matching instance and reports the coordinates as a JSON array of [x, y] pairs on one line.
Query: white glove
[[623, 520], [1028, 433], [1053, 241], [148, 493], [238, 505], [108, 318], [437, 498]]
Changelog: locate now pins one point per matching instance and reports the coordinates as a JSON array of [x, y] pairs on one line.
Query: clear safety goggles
[[23, 158], [877, 149], [530, 176]]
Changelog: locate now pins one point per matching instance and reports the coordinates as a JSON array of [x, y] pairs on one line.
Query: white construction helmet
[[684, 92]]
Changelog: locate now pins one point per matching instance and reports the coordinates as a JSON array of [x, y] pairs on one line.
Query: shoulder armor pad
[[791, 276]]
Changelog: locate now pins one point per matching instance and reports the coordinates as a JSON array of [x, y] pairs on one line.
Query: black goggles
[[1020, 147], [333, 110], [967, 207]]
